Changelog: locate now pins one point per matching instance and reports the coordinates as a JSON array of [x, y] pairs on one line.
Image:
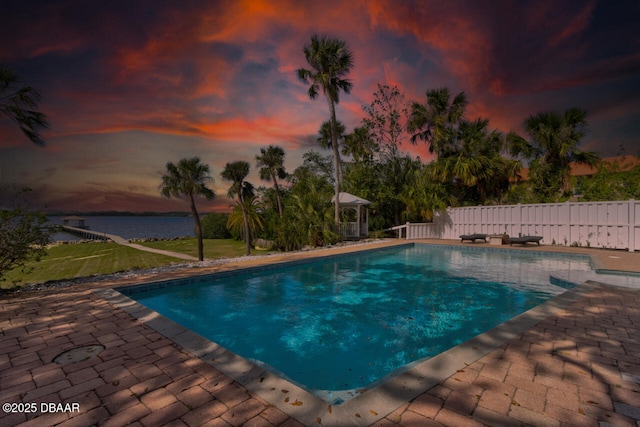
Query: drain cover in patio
[[78, 354]]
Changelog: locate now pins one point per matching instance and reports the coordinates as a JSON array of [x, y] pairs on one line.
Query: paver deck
[[579, 366]]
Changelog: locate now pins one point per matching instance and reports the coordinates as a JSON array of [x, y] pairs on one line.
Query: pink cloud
[[103, 198], [458, 41], [577, 24], [218, 80]]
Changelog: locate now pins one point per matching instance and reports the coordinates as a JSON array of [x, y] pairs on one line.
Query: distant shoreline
[[160, 225], [120, 213]]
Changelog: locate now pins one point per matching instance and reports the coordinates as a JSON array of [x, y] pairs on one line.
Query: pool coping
[[387, 395]]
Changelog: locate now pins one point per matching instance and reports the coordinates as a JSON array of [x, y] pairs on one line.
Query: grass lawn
[[85, 259], [213, 248]]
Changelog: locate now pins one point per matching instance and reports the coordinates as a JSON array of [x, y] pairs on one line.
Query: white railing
[[592, 224], [424, 230]]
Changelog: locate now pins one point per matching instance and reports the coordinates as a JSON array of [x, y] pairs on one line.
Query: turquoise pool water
[[344, 323]]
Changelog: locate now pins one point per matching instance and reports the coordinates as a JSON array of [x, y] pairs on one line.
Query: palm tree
[[436, 121], [423, 197], [360, 145], [188, 178], [253, 207], [324, 139], [271, 164], [19, 103], [308, 215], [236, 172], [330, 61], [553, 147], [476, 167]]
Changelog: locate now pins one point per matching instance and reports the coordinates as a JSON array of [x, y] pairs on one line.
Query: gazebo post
[[366, 220]]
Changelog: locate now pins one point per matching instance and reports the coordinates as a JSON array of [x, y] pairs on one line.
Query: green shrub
[[379, 234]]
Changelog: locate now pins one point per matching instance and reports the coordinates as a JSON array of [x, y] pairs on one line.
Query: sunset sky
[[130, 85]]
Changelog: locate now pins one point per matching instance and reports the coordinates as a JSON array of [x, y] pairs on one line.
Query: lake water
[[134, 227]]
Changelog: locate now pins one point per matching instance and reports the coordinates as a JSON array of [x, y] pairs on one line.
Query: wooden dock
[[93, 235], [96, 235]]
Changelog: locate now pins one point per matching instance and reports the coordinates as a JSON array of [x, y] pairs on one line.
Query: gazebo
[[354, 209]]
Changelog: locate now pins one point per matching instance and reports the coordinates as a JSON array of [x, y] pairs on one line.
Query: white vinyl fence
[[591, 224]]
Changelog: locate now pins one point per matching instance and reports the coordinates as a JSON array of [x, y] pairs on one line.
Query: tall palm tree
[[553, 147], [271, 164], [19, 103], [188, 178], [325, 139], [330, 60], [236, 172], [436, 121]]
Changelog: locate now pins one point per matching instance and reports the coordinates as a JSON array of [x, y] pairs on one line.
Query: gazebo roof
[[347, 199]]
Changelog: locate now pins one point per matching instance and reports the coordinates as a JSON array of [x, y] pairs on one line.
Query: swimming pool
[[339, 325]]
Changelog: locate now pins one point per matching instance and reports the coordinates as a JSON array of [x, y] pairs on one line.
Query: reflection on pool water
[[344, 322]]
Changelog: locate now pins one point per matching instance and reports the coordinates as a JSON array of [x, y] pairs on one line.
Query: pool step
[[571, 279]]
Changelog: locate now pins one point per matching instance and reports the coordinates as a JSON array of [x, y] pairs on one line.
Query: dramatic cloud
[[129, 86]]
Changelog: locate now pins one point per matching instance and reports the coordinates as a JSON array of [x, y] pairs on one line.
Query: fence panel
[[595, 224]]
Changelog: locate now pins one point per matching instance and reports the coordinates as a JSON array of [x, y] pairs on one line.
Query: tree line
[[472, 163]]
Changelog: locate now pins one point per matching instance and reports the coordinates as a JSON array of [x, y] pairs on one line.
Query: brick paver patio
[[579, 367]]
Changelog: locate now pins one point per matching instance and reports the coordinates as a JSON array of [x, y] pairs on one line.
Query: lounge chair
[[525, 239], [473, 237]]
